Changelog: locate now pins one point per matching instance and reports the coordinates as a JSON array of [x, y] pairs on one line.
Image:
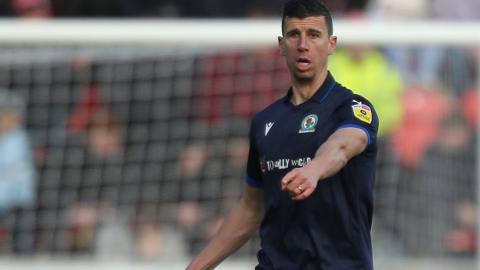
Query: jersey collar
[[322, 93]]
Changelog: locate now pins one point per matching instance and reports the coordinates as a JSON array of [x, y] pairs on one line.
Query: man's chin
[[303, 78]]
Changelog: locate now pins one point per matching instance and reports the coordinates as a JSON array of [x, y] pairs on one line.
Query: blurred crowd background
[[132, 153], [150, 8], [427, 9]]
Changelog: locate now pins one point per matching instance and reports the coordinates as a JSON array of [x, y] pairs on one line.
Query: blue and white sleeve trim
[[357, 126]]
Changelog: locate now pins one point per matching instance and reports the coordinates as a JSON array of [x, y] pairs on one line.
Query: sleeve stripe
[[357, 126], [252, 182]]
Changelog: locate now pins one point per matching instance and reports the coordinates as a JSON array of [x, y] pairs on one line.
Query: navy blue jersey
[[329, 230]]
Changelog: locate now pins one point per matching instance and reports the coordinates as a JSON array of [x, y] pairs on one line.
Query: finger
[[297, 182], [305, 194], [288, 178], [298, 190], [295, 189]]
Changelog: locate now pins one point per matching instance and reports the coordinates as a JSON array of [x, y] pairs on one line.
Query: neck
[[303, 91]]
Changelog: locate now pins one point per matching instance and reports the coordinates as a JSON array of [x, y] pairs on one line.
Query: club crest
[[308, 123]]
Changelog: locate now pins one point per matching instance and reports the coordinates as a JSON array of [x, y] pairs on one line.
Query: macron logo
[[268, 126]]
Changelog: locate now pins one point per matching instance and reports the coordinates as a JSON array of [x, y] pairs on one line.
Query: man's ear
[[281, 42], [332, 44]]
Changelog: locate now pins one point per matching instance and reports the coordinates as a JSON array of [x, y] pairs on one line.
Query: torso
[[337, 216]]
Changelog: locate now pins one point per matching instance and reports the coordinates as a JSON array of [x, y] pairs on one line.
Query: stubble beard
[[303, 80]]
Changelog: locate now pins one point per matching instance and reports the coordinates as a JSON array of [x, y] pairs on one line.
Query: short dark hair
[[306, 8]]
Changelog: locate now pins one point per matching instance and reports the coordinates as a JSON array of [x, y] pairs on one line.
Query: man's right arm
[[240, 225]]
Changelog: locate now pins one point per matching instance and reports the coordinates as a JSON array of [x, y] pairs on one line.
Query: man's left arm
[[329, 159]]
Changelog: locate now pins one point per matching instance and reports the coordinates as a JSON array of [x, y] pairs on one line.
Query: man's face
[[306, 46]]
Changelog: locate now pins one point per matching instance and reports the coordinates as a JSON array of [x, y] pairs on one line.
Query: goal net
[[133, 136]]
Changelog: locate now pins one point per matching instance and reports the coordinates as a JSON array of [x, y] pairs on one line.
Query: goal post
[[138, 131], [233, 32]]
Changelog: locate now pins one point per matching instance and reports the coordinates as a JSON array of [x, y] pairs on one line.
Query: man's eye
[[293, 35]]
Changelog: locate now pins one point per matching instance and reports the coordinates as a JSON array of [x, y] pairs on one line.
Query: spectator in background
[[399, 9], [419, 66], [425, 111], [212, 8], [156, 240], [191, 172], [462, 240], [17, 172], [191, 190], [234, 168], [97, 148], [171, 8], [469, 106], [83, 220], [439, 193], [269, 8], [261, 9], [369, 72], [96, 8], [104, 134], [94, 117], [341, 7], [191, 219], [460, 10], [207, 177], [32, 8], [459, 69]]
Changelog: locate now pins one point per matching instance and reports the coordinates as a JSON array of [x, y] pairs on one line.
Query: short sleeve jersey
[[329, 230]]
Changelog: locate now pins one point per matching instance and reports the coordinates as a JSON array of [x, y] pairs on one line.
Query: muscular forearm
[[329, 159], [334, 154], [237, 228]]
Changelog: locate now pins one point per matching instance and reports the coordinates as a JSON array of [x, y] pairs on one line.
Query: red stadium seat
[[425, 109]]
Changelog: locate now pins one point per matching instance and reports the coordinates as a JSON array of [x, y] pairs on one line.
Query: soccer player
[[311, 166]]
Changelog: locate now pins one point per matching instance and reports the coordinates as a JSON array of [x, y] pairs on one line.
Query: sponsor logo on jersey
[[268, 126], [362, 112], [283, 164], [308, 123]]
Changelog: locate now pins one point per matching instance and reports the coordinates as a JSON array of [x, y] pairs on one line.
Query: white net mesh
[[148, 138]]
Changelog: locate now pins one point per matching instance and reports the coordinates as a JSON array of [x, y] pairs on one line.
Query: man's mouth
[[303, 63], [303, 60]]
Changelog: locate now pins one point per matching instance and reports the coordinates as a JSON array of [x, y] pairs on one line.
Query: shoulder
[[357, 99], [358, 109], [358, 104], [362, 108], [341, 96], [347, 98], [354, 106]]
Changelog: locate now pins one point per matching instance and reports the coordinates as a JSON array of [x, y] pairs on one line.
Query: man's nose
[[302, 43]]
